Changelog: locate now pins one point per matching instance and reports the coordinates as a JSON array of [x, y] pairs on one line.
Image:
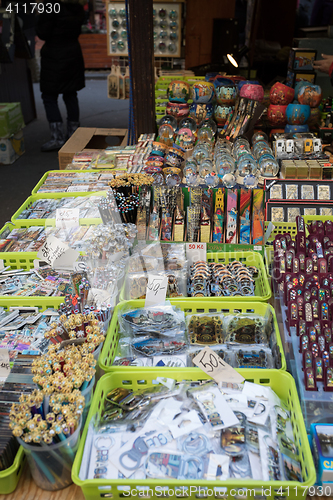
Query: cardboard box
[[90, 138], [301, 59], [11, 119], [11, 148], [294, 77]]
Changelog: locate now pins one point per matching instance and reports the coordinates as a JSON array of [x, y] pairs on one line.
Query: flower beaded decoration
[[29, 422], [83, 327]]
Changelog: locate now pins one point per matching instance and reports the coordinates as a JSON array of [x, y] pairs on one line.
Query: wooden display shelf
[[27, 490], [94, 50]]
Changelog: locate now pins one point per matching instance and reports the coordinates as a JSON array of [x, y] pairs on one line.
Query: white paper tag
[[156, 289], [211, 363], [185, 423], [218, 467], [52, 249], [196, 252], [4, 364], [67, 217], [217, 412], [257, 248], [36, 263], [66, 260], [1, 264], [57, 253]]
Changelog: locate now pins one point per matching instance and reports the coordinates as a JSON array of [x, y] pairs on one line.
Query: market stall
[[165, 307]]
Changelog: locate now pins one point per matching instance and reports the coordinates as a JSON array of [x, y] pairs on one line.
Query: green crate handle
[[110, 346], [10, 477], [281, 382]]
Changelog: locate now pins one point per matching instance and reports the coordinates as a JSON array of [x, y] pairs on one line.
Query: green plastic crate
[[25, 260], [161, 101], [55, 196], [310, 218], [280, 228], [281, 382], [43, 179], [10, 477], [188, 305], [191, 78], [17, 260], [262, 287]]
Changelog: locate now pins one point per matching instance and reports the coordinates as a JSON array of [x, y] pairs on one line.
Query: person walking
[[62, 66]]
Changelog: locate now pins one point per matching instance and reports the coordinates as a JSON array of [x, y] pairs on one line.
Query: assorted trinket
[[160, 259], [217, 279], [192, 430], [164, 336], [304, 272]]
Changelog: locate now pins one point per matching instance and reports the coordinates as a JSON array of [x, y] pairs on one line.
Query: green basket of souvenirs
[[53, 196], [189, 306], [262, 290], [281, 382]]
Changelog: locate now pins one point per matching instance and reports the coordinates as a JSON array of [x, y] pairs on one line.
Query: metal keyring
[[263, 409], [101, 448], [202, 448]]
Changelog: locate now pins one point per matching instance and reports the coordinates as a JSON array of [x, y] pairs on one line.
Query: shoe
[[71, 127], [57, 138]]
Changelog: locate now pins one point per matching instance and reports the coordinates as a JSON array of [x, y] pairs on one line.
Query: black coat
[[62, 66]]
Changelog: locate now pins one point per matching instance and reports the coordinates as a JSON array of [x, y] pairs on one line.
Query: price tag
[[67, 217], [196, 252], [57, 253], [4, 364], [211, 363], [156, 289]]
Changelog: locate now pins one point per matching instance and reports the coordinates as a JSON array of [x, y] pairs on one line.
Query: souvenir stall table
[[153, 265]]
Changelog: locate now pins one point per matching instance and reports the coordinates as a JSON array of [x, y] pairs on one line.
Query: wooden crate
[[89, 138]]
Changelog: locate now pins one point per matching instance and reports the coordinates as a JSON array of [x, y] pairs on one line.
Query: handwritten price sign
[[196, 252], [52, 249], [67, 217], [57, 253], [213, 365], [156, 289]]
